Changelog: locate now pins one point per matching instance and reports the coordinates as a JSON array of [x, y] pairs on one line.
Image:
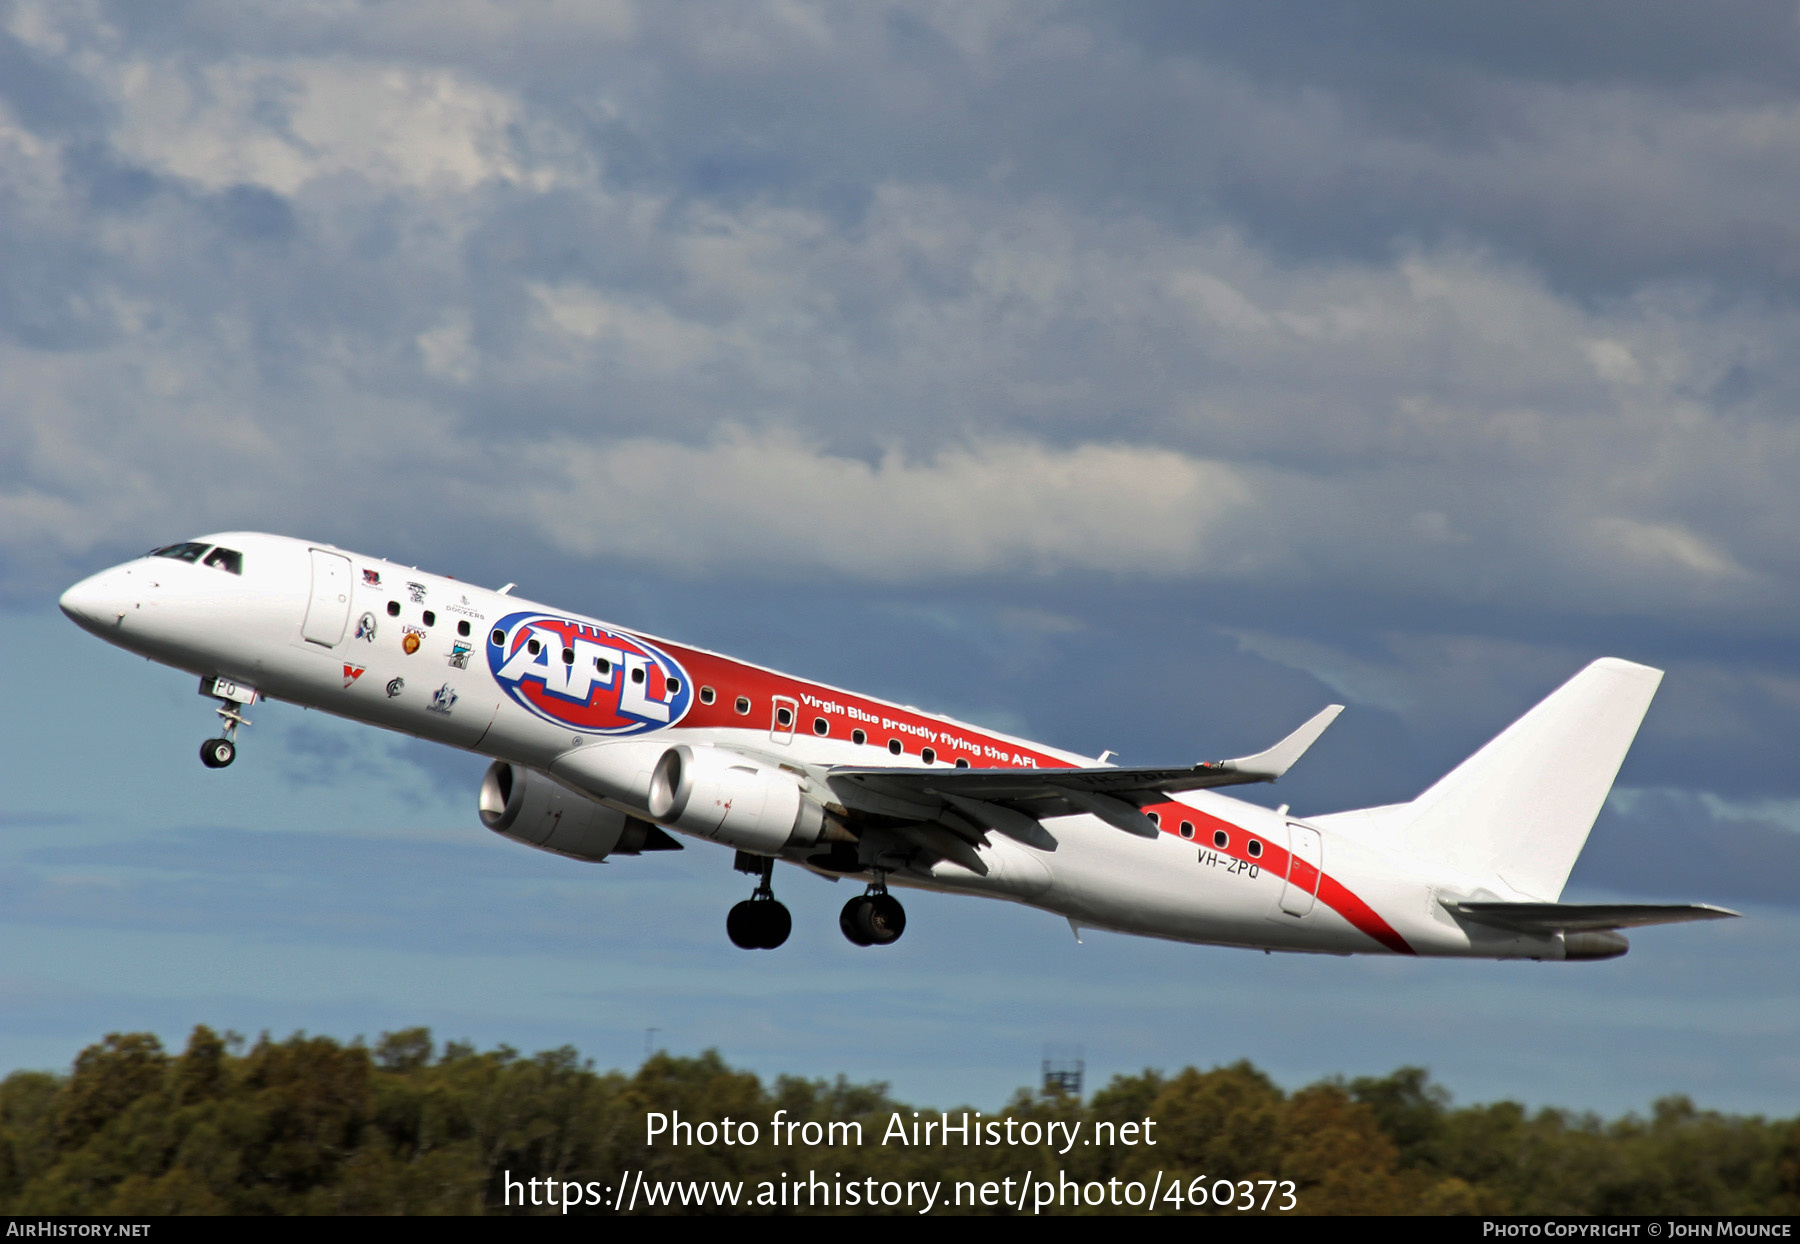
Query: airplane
[[605, 739]]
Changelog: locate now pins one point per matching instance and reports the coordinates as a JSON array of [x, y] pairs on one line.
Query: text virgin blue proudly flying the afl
[[586, 678]]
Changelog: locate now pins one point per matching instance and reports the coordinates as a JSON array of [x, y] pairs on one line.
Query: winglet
[[1268, 765]]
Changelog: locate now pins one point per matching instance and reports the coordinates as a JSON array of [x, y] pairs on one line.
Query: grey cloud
[[464, 315], [46, 95], [1610, 143], [1673, 846], [252, 213]]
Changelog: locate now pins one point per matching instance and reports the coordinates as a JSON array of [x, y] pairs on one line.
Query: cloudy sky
[[1137, 376]]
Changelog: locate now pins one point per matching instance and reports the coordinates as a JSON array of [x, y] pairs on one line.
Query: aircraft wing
[[1585, 917], [1013, 801]]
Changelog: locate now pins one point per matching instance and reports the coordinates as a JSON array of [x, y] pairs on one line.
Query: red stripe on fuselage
[[1277, 860], [842, 713]]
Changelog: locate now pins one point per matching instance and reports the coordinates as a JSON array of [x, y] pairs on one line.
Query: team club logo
[[585, 677]]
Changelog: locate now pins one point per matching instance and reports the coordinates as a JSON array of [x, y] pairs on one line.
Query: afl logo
[[586, 678]]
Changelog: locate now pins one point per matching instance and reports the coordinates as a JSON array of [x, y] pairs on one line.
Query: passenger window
[[1187, 829], [928, 755], [462, 628], [1255, 849], [1155, 819], [497, 637], [568, 655], [393, 609], [961, 763], [637, 673], [894, 746], [743, 704], [674, 686], [430, 618], [821, 727], [707, 695], [229, 560], [858, 737], [784, 716]]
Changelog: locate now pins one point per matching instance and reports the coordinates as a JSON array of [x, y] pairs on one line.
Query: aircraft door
[[328, 612], [1306, 866], [785, 711]]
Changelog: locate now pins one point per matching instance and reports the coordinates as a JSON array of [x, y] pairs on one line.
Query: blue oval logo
[[586, 677]]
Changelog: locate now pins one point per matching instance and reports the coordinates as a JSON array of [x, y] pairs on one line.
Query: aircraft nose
[[93, 604]]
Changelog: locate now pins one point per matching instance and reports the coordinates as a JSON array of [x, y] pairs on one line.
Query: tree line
[[311, 1125]]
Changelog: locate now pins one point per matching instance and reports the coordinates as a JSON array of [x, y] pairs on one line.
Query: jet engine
[[524, 805], [732, 798]]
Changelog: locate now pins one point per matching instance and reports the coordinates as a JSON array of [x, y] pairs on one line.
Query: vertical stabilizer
[[1519, 810]]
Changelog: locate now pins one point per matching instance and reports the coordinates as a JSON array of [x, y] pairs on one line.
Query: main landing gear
[[760, 922], [217, 753], [875, 918]]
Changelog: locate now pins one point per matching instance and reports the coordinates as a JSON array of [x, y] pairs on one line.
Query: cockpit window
[[188, 552], [229, 560]]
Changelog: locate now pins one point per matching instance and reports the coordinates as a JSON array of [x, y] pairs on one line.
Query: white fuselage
[[451, 662]]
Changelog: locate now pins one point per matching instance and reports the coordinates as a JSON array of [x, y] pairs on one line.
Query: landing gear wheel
[[850, 921], [873, 920], [776, 922], [740, 925], [758, 924], [217, 753], [884, 920]]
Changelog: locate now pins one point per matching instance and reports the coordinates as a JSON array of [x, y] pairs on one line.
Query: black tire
[[217, 753], [775, 922], [742, 926], [883, 920], [850, 920]]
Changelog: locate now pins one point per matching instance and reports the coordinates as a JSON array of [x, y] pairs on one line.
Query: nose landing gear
[[217, 753], [875, 918], [760, 922]]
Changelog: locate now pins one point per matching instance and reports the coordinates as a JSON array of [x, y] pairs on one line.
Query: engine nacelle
[[526, 806], [732, 798]]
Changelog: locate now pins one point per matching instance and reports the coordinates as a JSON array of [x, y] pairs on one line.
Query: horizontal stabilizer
[[1584, 917], [1268, 765]]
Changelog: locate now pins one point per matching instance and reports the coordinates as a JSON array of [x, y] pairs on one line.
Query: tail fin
[[1519, 810]]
